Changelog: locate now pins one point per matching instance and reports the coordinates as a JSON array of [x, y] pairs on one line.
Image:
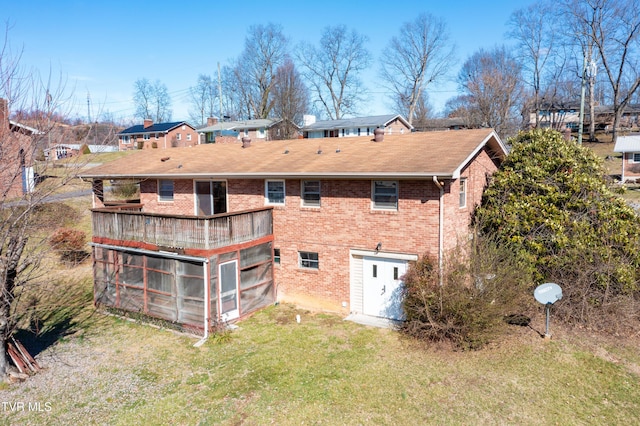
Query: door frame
[[235, 312]]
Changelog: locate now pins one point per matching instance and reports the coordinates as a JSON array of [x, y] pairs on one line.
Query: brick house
[[161, 135], [17, 154], [215, 131], [629, 147], [346, 218], [352, 127]]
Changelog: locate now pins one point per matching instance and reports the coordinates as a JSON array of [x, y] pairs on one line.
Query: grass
[[328, 371]]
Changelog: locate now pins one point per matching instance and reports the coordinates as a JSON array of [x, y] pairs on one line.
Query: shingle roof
[[154, 128], [372, 121], [629, 143], [415, 155], [240, 125]]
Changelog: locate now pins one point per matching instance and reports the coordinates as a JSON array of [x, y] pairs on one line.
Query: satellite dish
[[548, 293]]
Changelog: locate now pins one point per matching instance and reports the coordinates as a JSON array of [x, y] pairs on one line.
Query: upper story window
[[385, 194], [165, 190], [126, 139], [274, 192], [463, 193], [311, 193]]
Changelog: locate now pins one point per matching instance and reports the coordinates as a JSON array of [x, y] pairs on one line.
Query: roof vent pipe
[[246, 141], [378, 135]]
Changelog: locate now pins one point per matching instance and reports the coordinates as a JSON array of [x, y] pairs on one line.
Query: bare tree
[[332, 70], [419, 56], [610, 29], [152, 100], [204, 99], [533, 30], [290, 99], [23, 243], [490, 84], [249, 80]]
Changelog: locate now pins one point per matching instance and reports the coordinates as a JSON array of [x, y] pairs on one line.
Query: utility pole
[[88, 107]]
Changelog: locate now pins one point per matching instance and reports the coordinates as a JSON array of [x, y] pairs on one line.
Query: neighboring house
[[347, 219], [161, 135], [436, 124], [629, 147], [359, 126], [68, 150], [228, 131], [566, 115], [17, 155]]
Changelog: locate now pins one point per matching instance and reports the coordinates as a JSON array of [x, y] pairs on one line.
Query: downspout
[[440, 228], [207, 305]]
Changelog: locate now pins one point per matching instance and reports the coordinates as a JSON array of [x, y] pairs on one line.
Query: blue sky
[[103, 47]]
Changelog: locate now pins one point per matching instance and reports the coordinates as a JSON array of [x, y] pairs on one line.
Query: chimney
[[148, 123], [378, 135], [212, 121], [246, 141], [308, 120]]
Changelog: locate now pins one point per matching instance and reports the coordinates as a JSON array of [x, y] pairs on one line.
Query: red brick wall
[[168, 140], [344, 221]]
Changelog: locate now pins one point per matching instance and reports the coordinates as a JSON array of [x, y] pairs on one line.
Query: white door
[[229, 290], [382, 287]]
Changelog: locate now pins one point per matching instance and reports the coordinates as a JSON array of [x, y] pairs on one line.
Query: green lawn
[[323, 370]]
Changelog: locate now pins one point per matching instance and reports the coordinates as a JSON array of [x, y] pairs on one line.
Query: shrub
[[126, 189], [69, 244], [84, 149], [551, 202], [480, 288]]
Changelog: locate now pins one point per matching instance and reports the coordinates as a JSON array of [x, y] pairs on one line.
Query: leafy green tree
[[551, 202]]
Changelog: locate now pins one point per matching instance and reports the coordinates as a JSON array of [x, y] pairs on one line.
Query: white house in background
[[358, 126], [227, 131], [629, 147]]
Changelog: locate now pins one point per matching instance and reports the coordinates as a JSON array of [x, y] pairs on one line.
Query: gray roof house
[[357, 126], [255, 129]]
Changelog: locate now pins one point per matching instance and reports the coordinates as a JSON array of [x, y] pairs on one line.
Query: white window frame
[[267, 191], [188, 136], [126, 139], [463, 193], [178, 136], [162, 182], [306, 260], [633, 157], [374, 195], [304, 192]]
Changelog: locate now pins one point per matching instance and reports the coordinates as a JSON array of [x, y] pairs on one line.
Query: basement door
[[382, 287], [228, 273]]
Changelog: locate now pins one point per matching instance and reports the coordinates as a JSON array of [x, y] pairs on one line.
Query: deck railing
[[123, 223]]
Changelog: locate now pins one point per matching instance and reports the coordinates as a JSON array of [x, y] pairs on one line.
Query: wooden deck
[[129, 223]]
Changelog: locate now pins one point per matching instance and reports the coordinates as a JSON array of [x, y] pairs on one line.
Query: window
[[126, 139], [311, 193], [276, 255], [188, 136], [308, 259], [636, 157], [145, 136], [261, 133], [165, 190], [178, 136], [157, 137], [274, 191], [463, 193], [385, 194]]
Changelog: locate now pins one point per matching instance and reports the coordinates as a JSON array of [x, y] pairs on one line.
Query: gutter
[[440, 229]]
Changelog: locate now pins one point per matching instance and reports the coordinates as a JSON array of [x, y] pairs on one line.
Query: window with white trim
[[178, 136], [188, 136], [384, 194], [310, 193], [636, 157], [308, 260], [146, 136], [126, 139], [165, 190], [274, 192], [463, 192]]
